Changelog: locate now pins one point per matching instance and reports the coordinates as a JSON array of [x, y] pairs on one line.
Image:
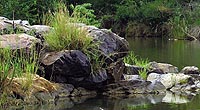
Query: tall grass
[[66, 34], [16, 63]]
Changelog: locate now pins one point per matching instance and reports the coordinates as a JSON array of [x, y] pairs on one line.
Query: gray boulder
[[111, 45], [166, 68], [18, 41]]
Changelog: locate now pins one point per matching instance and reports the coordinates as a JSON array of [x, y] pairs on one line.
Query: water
[[179, 53], [166, 101]]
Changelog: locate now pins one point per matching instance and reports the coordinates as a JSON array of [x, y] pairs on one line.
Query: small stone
[[190, 70]]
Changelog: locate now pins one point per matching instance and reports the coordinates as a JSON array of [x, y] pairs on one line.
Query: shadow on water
[[180, 53], [165, 101]]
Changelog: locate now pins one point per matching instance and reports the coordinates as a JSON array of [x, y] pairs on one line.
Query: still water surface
[[166, 101], [179, 53]]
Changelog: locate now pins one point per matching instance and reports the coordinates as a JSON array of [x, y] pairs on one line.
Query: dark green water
[[179, 53], [167, 101]]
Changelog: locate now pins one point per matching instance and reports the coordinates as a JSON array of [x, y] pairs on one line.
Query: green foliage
[[143, 74], [179, 27], [132, 59], [66, 35], [15, 63], [33, 10], [84, 14]]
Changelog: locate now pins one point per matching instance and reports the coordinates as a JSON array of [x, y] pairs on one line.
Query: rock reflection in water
[[134, 102]]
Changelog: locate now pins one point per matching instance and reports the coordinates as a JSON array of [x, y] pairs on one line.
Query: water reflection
[[166, 101], [179, 53]]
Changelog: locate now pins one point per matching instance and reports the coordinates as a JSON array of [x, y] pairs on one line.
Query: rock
[[64, 90], [132, 69], [24, 89], [18, 41], [18, 22], [127, 87], [111, 45], [40, 29], [173, 98], [131, 77], [68, 66], [190, 70], [153, 77], [157, 87], [115, 71], [170, 79], [166, 68]]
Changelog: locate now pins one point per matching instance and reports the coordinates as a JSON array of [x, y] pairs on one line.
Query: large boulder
[[111, 45], [169, 80], [65, 66], [18, 41], [164, 67]]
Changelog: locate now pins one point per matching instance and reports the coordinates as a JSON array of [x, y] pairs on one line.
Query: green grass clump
[[65, 35], [132, 59], [16, 64]]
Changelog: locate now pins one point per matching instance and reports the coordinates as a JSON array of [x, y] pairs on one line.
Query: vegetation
[[134, 60], [68, 35], [174, 18], [16, 64]]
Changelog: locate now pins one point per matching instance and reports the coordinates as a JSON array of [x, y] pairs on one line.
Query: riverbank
[[72, 74]]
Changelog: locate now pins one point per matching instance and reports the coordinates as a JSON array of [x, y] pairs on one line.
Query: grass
[[16, 64], [66, 35], [132, 59]]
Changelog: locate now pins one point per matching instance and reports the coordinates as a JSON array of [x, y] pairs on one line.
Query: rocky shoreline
[[67, 74]]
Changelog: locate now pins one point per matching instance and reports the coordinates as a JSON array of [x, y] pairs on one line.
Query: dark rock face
[[133, 69], [66, 66]]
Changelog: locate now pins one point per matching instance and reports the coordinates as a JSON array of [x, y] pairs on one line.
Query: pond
[[179, 53]]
